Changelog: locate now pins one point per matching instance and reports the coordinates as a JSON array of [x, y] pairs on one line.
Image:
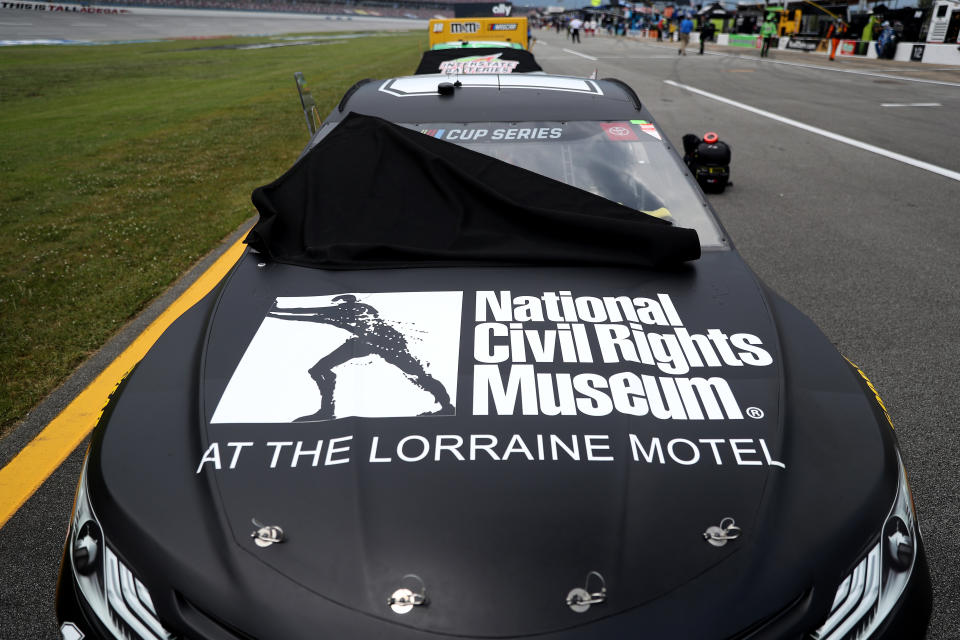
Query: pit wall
[[906, 51]]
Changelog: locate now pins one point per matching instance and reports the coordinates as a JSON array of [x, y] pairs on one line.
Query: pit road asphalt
[[865, 244]]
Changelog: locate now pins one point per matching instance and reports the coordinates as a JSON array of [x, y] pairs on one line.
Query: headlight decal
[[867, 596], [125, 602], [856, 597], [109, 588]]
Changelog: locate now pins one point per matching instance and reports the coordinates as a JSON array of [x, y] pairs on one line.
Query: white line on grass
[[920, 164], [582, 55]]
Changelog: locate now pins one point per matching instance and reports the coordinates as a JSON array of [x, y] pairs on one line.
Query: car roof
[[492, 98]]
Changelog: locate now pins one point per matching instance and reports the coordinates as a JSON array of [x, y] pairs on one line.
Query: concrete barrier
[[948, 54], [67, 7]]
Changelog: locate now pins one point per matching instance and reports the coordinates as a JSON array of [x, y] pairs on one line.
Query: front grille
[[131, 608], [855, 603]]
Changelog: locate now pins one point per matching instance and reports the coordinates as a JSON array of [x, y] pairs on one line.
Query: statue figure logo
[[371, 335], [317, 358]]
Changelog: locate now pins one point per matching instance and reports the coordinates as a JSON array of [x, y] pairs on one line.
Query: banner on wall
[[61, 8]]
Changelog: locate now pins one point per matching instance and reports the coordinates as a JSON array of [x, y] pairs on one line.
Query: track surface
[[864, 244]]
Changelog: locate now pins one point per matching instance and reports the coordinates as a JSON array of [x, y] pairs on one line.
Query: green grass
[[121, 165]]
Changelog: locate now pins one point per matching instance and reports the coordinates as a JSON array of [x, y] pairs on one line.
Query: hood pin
[[581, 599], [718, 536], [404, 600], [266, 535]]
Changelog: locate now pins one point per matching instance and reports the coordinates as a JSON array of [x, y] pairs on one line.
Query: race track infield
[[863, 240]]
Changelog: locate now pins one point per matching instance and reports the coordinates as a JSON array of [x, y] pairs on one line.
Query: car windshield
[[625, 162]]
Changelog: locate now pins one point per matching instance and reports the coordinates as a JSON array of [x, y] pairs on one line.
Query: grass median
[[121, 165]]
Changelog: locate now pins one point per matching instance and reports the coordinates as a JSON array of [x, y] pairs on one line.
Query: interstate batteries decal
[[479, 64]]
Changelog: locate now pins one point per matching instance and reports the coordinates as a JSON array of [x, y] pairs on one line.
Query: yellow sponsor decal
[[873, 389], [486, 29]]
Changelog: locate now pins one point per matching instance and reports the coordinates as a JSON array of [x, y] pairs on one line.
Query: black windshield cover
[[478, 60], [376, 195]]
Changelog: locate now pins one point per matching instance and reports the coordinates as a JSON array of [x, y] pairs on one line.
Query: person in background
[[867, 35], [706, 33], [768, 32], [686, 26], [661, 25], [838, 30], [575, 25], [886, 42]]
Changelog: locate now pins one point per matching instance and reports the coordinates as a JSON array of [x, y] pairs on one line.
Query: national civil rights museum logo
[[396, 354], [352, 354], [371, 355]]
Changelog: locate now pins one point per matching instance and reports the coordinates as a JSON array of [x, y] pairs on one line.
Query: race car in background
[[511, 31], [491, 367], [478, 46]]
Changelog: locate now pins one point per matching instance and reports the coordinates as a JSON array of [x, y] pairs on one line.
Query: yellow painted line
[[23, 475]]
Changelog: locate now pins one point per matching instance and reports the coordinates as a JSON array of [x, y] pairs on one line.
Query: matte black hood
[[498, 543], [507, 536]]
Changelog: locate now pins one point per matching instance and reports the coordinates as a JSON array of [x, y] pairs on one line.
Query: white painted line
[[16, 24], [582, 55], [920, 164], [836, 70], [910, 104]]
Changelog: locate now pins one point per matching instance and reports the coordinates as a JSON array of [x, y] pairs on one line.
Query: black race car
[[491, 368]]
